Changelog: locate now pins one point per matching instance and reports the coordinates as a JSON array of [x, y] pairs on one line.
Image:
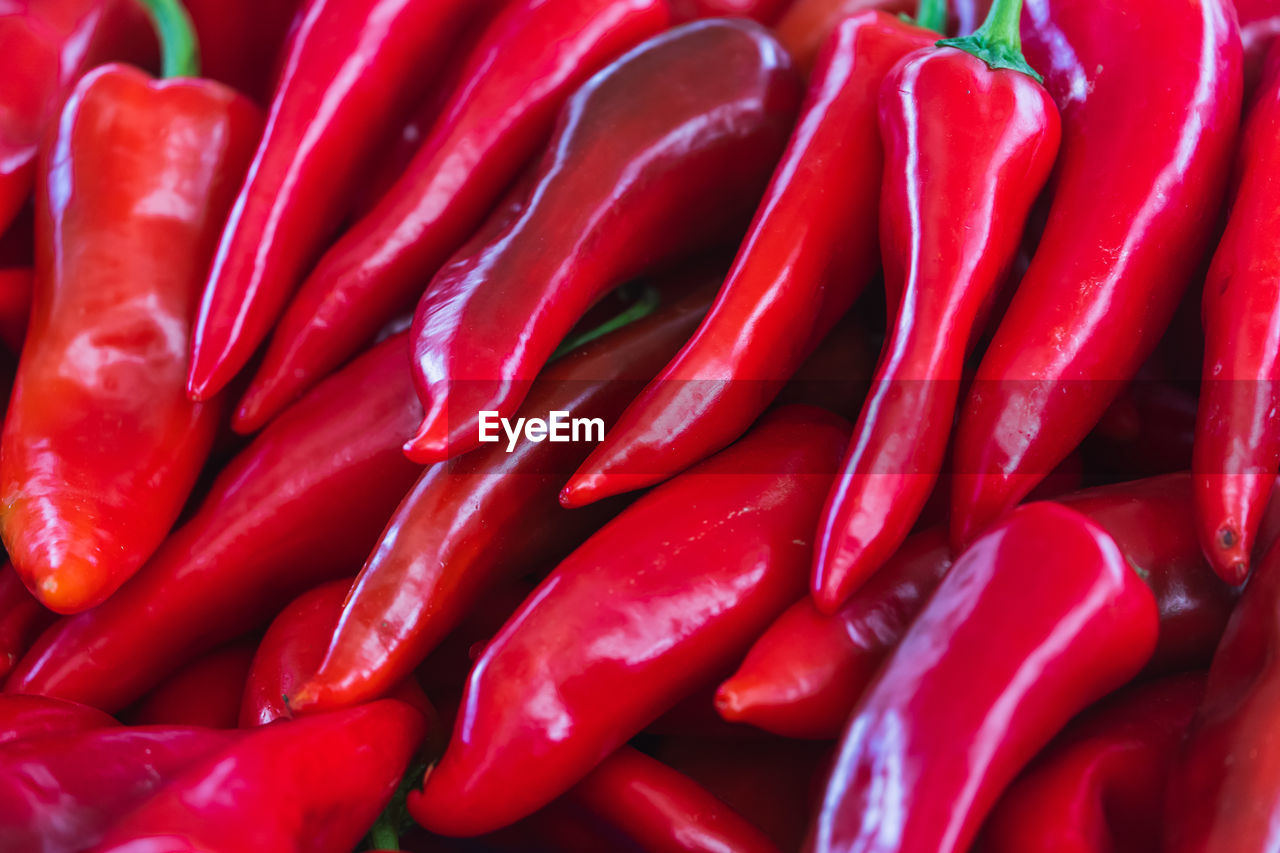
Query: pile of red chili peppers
[[655, 426]]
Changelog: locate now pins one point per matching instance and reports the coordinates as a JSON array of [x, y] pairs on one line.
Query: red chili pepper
[[1259, 25], [970, 681], [15, 306], [809, 252], [242, 42], [970, 136], [655, 604], [764, 11], [101, 445], [205, 692], [492, 515], [301, 505], [504, 106], [22, 619], [45, 45], [663, 152], [1100, 785], [61, 793], [807, 24], [26, 717], [1148, 429], [315, 784], [353, 69], [1237, 447], [1222, 792], [1101, 288]]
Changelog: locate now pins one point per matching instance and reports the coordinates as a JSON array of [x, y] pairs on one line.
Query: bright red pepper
[[101, 445], [1237, 447], [661, 153], [300, 505], [206, 692], [1017, 639], [61, 793], [242, 42], [25, 717], [353, 70], [504, 106], [1101, 288], [764, 11], [315, 784], [22, 619], [807, 24], [969, 136], [652, 606], [1100, 785], [492, 515], [809, 252]]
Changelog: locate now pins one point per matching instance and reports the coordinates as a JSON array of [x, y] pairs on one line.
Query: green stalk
[[179, 50], [643, 307], [932, 15], [997, 42]]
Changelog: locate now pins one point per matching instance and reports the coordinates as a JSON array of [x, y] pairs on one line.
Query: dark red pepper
[[206, 692], [16, 286], [22, 618]]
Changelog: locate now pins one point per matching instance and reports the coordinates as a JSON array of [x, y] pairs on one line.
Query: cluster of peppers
[[935, 508]]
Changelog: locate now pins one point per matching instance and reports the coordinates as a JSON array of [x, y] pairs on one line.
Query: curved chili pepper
[[504, 106], [809, 252], [1237, 447], [764, 11], [315, 784], [26, 717], [662, 810], [16, 286], [655, 604], [1100, 785], [22, 619], [1101, 288], [206, 692], [242, 42], [956, 686], [1222, 792], [101, 445], [61, 793], [969, 136], [300, 505], [659, 154], [807, 24], [353, 68], [489, 516]]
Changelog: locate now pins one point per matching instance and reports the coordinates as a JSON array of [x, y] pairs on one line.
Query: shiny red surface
[[25, 717]]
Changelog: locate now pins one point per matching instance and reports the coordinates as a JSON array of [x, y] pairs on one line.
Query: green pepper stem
[[932, 15], [179, 50], [997, 42], [643, 307], [383, 836]]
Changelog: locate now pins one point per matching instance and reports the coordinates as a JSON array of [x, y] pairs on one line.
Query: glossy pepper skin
[[1101, 289], [651, 607], [101, 445], [810, 250], [968, 148], [61, 793], [504, 106], [22, 619], [1237, 446], [206, 692], [960, 707], [353, 68], [26, 717], [1100, 785], [660, 154], [472, 526], [1223, 790], [314, 784], [287, 512]]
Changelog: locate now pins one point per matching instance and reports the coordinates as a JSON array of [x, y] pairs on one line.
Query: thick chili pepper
[[353, 69], [652, 606], [764, 11], [45, 45], [662, 810], [205, 692], [661, 153], [242, 42], [491, 515], [314, 784], [1223, 789], [1101, 288], [300, 505], [503, 108], [1100, 785], [101, 445], [16, 286], [60, 793], [970, 136], [1237, 447], [22, 618], [25, 717], [807, 24], [969, 680], [809, 252]]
